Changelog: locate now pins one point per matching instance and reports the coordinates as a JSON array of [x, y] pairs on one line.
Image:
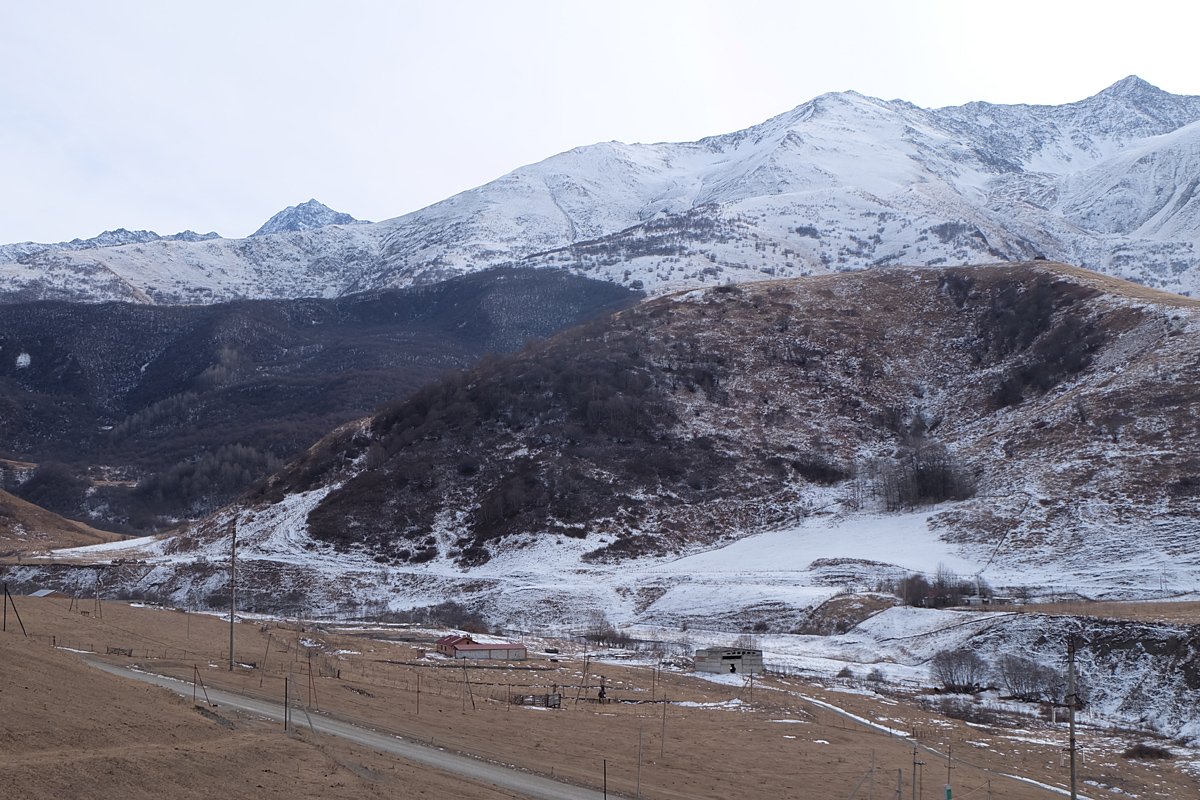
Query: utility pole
[[8, 599], [949, 762], [1071, 708], [916, 764], [583, 680], [232, 589], [638, 795], [467, 690], [262, 673], [662, 744], [310, 679]]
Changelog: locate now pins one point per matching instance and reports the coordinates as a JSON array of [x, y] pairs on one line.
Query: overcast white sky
[[214, 115]]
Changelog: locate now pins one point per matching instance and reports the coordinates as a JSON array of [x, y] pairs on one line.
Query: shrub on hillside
[[968, 711], [1147, 752]]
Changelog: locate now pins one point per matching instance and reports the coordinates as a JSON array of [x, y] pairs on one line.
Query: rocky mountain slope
[[169, 411], [1043, 415], [841, 182], [303, 217]]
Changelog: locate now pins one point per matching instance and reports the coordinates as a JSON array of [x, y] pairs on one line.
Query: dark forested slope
[[136, 412]]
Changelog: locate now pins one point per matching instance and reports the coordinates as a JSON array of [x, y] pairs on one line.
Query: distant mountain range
[[113, 238], [841, 182]]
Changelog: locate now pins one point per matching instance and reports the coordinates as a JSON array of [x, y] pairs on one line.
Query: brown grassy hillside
[[26, 528]]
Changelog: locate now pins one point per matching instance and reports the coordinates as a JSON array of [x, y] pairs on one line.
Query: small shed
[[729, 660], [455, 646]]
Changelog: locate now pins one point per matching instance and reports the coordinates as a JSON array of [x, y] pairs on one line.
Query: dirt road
[[507, 778]]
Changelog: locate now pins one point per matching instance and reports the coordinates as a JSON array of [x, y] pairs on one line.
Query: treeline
[[604, 410], [201, 485], [1036, 320], [945, 589], [448, 614]]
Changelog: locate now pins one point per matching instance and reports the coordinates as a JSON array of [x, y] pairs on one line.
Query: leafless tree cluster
[[916, 476], [947, 588], [1027, 680], [958, 670], [600, 631]]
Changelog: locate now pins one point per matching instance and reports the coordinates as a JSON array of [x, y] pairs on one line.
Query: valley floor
[[69, 728]]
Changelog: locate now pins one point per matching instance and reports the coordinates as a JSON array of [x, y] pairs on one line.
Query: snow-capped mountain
[[304, 217], [841, 182], [113, 238]]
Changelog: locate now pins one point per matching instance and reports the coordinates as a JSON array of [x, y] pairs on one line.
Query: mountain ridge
[[843, 181], [304, 216]]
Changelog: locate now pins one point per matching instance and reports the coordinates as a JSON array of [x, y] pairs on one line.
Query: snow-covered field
[[777, 572]]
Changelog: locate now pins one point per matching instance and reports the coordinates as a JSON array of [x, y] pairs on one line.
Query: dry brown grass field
[[26, 528], [70, 730], [1120, 286], [1176, 613]]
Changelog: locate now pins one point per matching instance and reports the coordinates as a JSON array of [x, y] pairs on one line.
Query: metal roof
[[493, 646]]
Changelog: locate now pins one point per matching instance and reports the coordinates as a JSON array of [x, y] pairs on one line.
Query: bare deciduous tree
[[958, 670], [1027, 680]]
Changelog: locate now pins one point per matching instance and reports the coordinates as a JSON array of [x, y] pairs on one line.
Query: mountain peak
[[305, 216], [1132, 87]]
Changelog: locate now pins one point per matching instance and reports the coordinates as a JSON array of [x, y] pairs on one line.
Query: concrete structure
[[454, 646], [729, 659]]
